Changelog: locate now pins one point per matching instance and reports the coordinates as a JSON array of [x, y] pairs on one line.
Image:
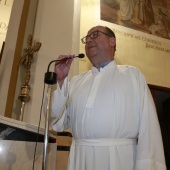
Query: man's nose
[[88, 39]]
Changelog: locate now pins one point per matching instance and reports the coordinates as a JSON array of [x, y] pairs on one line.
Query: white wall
[[5, 11], [8, 54], [57, 28], [53, 29]]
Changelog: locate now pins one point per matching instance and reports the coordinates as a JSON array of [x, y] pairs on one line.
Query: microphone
[[63, 59], [50, 77], [79, 56]]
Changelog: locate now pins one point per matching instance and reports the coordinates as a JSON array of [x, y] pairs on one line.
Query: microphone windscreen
[[81, 55]]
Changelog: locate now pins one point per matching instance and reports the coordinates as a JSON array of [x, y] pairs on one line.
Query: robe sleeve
[[59, 120], [150, 152]]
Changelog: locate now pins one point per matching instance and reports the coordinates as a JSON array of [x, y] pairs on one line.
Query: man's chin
[[92, 52]]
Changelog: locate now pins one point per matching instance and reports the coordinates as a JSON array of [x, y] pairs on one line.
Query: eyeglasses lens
[[92, 36]]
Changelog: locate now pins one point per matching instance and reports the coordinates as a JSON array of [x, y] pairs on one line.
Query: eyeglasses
[[93, 35]]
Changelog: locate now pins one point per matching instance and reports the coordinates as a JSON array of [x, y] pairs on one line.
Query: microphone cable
[[35, 150]]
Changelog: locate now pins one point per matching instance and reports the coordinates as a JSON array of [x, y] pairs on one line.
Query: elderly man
[[109, 110]]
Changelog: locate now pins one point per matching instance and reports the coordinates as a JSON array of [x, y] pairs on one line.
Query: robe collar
[[104, 67]]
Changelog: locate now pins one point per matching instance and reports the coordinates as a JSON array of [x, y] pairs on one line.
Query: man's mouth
[[91, 46]]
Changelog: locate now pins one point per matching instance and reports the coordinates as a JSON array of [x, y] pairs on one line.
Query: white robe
[[106, 112]]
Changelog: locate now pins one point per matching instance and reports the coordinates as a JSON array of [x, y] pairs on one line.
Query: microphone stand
[[50, 79]]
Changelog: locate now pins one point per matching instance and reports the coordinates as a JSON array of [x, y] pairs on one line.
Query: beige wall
[[9, 52], [57, 28], [5, 11], [133, 47], [54, 28]]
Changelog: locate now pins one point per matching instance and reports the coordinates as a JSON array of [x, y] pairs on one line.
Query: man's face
[[98, 46]]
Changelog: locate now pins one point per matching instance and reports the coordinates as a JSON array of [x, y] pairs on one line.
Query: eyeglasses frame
[[84, 42]]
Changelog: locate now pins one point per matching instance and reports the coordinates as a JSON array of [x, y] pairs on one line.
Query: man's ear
[[112, 41]]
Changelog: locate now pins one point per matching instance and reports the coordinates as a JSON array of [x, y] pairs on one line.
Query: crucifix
[[26, 60]]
